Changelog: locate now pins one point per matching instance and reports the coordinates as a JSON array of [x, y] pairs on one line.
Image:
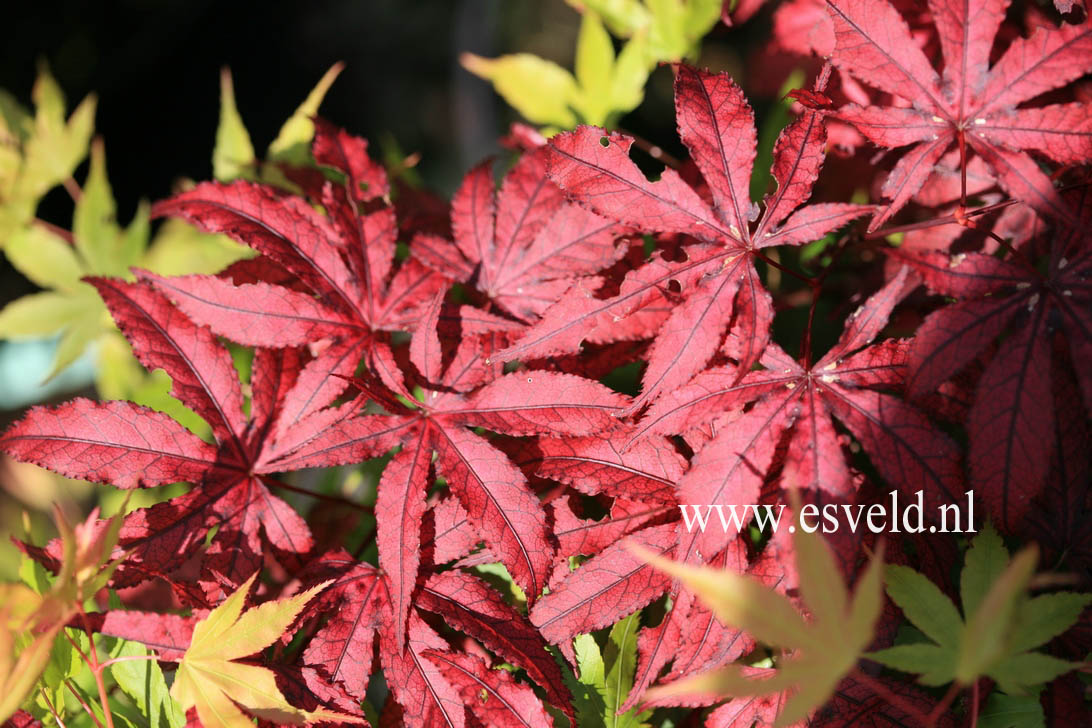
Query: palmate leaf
[[824, 649], [493, 694], [1000, 626], [718, 280], [130, 446], [524, 246], [211, 678], [601, 88], [846, 384], [351, 290], [1010, 420], [975, 103]]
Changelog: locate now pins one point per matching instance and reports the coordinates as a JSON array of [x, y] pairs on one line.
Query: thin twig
[[60, 232], [83, 703], [938, 710], [655, 151], [104, 698], [126, 658], [937, 221], [274, 483], [897, 700], [788, 271], [73, 189], [49, 704], [369, 537], [948, 219]]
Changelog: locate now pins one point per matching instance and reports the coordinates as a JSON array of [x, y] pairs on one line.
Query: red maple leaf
[[493, 695], [972, 103], [798, 400], [131, 446], [351, 293], [416, 681], [524, 247], [1010, 422], [498, 503], [343, 647], [720, 286]]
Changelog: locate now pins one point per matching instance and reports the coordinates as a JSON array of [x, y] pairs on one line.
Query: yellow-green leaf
[[16, 123], [45, 258], [1016, 674], [983, 642], [667, 34], [924, 604], [867, 603], [934, 663], [594, 69], [742, 601], [134, 239], [233, 155], [94, 228], [210, 680], [984, 562], [48, 97], [81, 331], [824, 649], [180, 249], [630, 74], [820, 581], [55, 148], [624, 17], [542, 91], [39, 315], [701, 16], [293, 142], [1042, 618], [620, 660]]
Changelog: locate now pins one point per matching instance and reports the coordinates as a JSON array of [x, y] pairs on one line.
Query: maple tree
[[543, 376]]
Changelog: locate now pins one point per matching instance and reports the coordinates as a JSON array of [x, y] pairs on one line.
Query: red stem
[[49, 704], [60, 232], [880, 689], [788, 271], [82, 702], [974, 705], [938, 711], [126, 658], [947, 219], [934, 222], [962, 168], [274, 483], [655, 151], [96, 669], [73, 189]]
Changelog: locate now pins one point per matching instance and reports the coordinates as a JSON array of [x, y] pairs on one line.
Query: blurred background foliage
[[180, 91]]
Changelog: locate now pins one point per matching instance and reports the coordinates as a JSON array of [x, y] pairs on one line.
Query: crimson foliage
[[507, 447]]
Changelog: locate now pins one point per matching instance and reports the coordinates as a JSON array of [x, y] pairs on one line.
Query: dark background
[[154, 66]]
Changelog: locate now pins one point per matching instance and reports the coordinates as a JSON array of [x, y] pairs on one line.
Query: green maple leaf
[[212, 679], [601, 88], [1000, 626], [823, 649]]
